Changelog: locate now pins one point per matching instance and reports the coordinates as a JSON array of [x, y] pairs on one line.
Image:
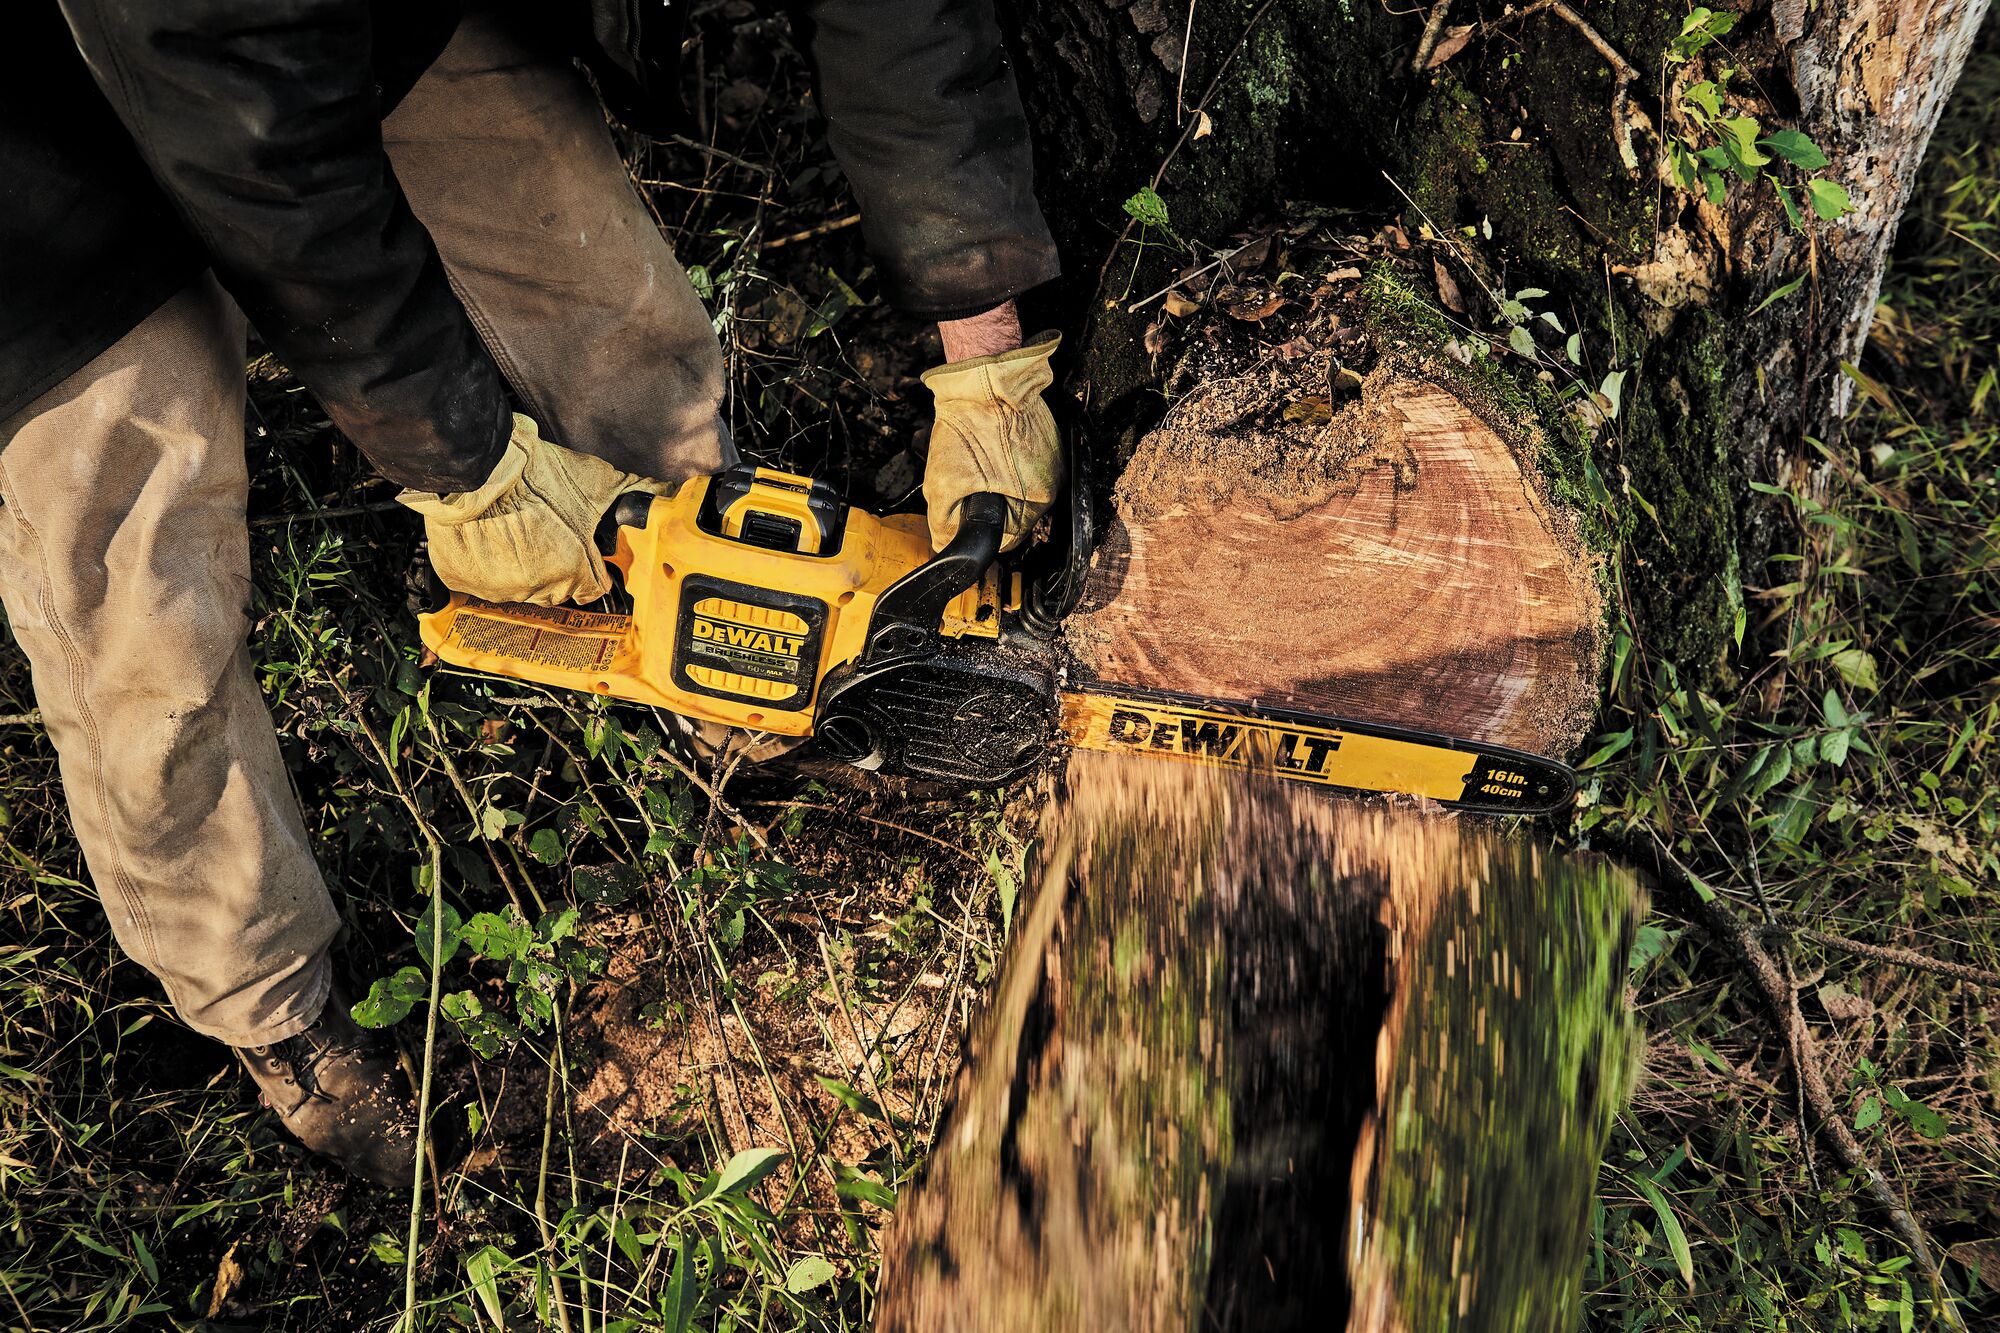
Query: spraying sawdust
[[1243, 1034]]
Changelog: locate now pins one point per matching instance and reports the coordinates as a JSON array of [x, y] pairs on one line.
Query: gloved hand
[[993, 432], [527, 534]]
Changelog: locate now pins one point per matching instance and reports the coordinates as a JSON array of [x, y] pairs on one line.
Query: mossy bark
[[1260, 1061], [1523, 136]]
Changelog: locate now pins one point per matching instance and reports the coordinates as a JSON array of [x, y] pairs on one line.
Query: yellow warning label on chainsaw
[[556, 637], [1296, 751]]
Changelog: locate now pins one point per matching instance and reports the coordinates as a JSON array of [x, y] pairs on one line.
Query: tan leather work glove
[[527, 534], [993, 432]]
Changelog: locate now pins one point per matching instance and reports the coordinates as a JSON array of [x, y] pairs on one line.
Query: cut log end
[[1391, 561]]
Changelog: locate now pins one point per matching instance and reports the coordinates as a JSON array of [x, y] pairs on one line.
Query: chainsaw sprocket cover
[[959, 716]]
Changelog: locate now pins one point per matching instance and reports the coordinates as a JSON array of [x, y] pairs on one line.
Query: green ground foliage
[[796, 970], [1843, 777]]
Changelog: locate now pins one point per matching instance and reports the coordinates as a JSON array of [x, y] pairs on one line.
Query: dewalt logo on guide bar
[[1335, 754]]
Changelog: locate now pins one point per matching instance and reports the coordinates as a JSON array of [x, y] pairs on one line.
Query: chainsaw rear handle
[[627, 511]]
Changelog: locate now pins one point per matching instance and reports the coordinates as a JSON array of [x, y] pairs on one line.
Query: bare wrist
[[996, 331]]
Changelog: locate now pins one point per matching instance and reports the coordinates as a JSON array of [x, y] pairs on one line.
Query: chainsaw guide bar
[[759, 601], [1315, 749]]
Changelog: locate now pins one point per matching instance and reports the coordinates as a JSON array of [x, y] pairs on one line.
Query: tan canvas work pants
[[124, 554]]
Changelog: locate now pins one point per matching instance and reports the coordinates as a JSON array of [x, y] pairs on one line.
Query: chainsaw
[[761, 600]]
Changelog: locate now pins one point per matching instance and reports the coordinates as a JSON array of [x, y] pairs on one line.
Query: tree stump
[[1391, 561]]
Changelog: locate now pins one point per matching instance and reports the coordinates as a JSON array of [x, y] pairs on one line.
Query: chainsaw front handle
[[908, 612]]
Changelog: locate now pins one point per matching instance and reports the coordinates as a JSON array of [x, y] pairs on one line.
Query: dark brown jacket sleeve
[[261, 120], [924, 116]]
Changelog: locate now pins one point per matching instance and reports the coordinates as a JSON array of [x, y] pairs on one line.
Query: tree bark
[[1261, 1061], [1523, 133]]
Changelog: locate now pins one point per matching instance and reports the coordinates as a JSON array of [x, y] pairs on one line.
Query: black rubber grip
[[908, 612], [627, 511]]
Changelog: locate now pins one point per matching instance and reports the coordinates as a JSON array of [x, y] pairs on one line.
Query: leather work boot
[[340, 1092]]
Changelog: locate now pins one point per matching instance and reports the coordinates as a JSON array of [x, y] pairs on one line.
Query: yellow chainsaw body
[[746, 590]]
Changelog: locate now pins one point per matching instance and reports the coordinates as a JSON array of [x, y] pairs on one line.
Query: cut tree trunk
[[1535, 144], [1264, 1061], [1404, 567]]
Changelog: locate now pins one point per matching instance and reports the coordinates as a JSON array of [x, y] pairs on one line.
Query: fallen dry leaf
[[1447, 286], [1179, 306], [1203, 126], [1255, 308], [1454, 40], [228, 1277], [1156, 337]]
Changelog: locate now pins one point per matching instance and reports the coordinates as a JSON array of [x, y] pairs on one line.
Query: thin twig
[[31, 718], [811, 233], [711, 790], [1433, 29], [542, 1203], [711, 150], [1713, 914], [954, 848], [324, 515], [1976, 976], [866, 1050], [435, 847], [1217, 262]]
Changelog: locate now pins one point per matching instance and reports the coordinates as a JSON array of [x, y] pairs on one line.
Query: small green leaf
[[1008, 888], [1857, 668], [482, 1270], [1148, 209], [1782, 292], [1794, 148], [491, 935], [1706, 97], [546, 846], [1612, 391], [425, 930], [1869, 1114], [1829, 199], [812, 1271], [494, 822], [744, 1170], [677, 1309], [1920, 1117], [390, 999], [1522, 341], [1677, 1240]]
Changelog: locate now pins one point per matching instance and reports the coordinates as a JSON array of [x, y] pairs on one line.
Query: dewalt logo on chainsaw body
[[748, 638], [736, 641]]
